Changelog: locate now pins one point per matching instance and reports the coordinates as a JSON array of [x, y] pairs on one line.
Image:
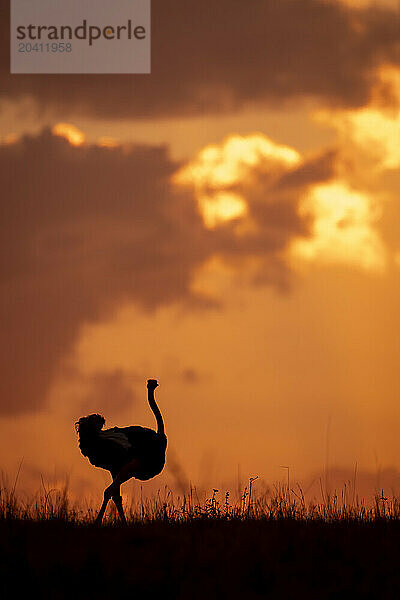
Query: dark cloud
[[190, 375], [211, 56], [317, 169], [83, 229], [86, 229], [109, 393]]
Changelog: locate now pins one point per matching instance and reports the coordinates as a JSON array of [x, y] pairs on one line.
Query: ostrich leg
[[117, 498], [99, 518], [113, 491]]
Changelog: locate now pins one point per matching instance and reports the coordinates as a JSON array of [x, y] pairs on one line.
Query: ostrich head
[[89, 425]]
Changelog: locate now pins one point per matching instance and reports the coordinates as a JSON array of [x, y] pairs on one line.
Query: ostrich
[[126, 452]]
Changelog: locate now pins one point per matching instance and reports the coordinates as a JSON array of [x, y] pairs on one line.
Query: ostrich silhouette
[[126, 452]]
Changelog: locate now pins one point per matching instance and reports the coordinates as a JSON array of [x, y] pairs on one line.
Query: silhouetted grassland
[[273, 545]]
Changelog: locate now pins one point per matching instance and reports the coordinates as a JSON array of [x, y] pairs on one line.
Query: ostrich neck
[[156, 411]]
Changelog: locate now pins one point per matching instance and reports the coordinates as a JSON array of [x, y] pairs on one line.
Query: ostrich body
[[126, 452]]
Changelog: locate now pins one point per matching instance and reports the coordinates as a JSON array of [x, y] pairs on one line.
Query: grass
[[266, 545]]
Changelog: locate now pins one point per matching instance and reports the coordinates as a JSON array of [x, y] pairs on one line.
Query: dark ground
[[278, 560]]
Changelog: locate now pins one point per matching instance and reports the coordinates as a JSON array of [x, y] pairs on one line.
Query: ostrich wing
[[109, 449]]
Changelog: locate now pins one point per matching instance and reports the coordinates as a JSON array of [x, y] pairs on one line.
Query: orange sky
[[244, 252]]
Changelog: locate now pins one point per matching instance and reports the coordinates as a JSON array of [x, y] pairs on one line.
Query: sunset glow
[[223, 165], [217, 169], [373, 131], [71, 133], [343, 228], [227, 224], [200, 292], [107, 142], [220, 207], [10, 138]]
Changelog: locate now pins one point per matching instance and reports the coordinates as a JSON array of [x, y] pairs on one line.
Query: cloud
[[267, 193], [109, 392], [83, 229], [190, 375], [250, 190], [86, 229], [371, 133], [70, 133], [219, 168], [343, 228], [208, 58]]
